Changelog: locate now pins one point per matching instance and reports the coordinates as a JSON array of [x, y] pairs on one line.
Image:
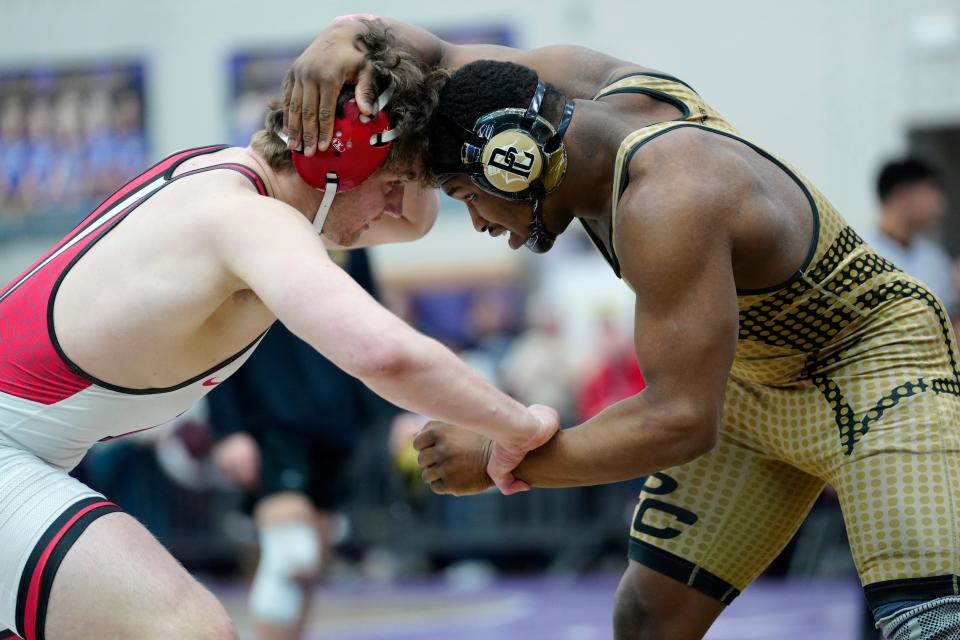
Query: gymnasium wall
[[830, 86]]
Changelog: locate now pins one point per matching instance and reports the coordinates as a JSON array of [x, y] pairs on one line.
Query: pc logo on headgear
[[511, 161]]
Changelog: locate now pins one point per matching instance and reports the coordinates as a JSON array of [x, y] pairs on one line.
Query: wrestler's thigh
[[117, 581], [900, 494]]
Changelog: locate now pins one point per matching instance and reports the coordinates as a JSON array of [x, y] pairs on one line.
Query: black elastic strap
[[540, 239], [456, 168], [682, 570], [923, 589], [554, 142], [534, 109], [469, 135]]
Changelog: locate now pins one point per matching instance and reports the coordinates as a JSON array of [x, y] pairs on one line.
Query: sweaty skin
[[217, 264], [702, 216]]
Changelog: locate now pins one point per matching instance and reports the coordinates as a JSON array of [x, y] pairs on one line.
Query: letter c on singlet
[[664, 485], [680, 514]]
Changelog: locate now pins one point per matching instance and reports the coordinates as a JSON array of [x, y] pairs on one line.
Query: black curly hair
[[473, 91]]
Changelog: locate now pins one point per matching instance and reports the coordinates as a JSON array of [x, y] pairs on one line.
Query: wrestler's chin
[[345, 239]]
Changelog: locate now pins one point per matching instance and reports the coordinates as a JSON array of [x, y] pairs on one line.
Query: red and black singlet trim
[[168, 174], [36, 580]]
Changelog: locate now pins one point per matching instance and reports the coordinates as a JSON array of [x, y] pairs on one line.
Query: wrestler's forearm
[[422, 44], [427, 47], [282, 262], [430, 380], [627, 440], [576, 71]]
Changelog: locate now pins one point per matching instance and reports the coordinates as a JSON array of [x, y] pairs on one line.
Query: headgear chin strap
[[540, 239], [359, 147], [517, 154]]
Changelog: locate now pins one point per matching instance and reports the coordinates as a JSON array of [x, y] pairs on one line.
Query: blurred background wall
[[831, 86]]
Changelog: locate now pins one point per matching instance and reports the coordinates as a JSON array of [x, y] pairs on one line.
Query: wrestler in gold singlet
[[845, 374]]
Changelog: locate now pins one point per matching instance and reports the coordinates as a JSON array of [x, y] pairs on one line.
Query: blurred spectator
[[130, 144], [13, 152], [615, 375], [67, 138], [911, 204], [289, 421], [99, 140], [955, 310], [66, 183], [38, 171], [538, 368], [490, 323]]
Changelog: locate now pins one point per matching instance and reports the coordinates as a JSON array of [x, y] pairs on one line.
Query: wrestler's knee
[[200, 617], [652, 606], [632, 615], [289, 561], [937, 619]]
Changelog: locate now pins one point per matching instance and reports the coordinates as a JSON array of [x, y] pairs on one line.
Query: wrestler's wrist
[[525, 436]]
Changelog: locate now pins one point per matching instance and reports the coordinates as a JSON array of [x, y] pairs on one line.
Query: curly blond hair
[[416, 91]]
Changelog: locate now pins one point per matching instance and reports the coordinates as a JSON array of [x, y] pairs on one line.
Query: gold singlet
[[846, 374]]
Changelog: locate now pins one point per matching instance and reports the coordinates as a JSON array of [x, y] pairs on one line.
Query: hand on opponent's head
[[339, 56]]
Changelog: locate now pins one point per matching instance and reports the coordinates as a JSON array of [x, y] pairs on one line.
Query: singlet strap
[[693, 112], [255, 179], [674, 91], [648, 79], [251, 175], [134, 200], [629, 146], [621, 177], [658, 86], [639, 138]]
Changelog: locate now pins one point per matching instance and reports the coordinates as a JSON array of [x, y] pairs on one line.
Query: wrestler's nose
[[479, 223]]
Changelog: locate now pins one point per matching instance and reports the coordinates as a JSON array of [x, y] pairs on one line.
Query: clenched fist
[[459, 462], [454, 460]]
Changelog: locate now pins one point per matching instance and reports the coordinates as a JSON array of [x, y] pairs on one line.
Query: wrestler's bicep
[[678, 259]]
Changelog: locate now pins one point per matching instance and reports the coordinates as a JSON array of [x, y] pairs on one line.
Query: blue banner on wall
[[69, 136]]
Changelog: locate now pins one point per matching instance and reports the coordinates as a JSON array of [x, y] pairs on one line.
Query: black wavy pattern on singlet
[[852, 428], [811, 326]]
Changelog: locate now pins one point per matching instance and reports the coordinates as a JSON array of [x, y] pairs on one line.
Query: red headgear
[[360, 145]]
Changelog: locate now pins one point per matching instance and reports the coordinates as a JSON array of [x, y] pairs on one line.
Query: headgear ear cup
[[512, 161], [509, 151], [516, 154], [359, 147]]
